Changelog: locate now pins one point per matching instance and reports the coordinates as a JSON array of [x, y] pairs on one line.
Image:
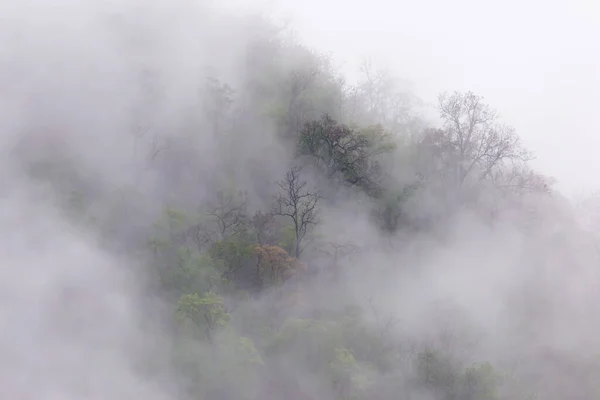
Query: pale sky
[[537, 62]]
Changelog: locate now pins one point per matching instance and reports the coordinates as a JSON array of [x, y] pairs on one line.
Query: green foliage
[[193, 273], [437, 371], [287, 238], [371, 345], [379, 140], [246, 351], [480, 382], [294, 84], [314, 340], [170, 231], [203, 312], [231, 254], [230, 365], [175, 218], [348, 377], [446, 378]]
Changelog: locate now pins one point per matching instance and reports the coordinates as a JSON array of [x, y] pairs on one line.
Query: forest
[[289, 234]]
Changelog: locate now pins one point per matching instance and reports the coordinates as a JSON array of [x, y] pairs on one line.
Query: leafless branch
[[298, 203]]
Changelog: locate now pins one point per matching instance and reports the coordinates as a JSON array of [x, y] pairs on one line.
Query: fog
[[198, 204]]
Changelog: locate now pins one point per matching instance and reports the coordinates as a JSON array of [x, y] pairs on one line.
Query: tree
[[205, 312], [521, 179], [230, 213], [299, 81], [340, 151], [233, 254], [472, 142], [223, 218], [263, 227], [389, 208], [381, 98], [297, 203], [292, 84], [274, 265], [218, 101]]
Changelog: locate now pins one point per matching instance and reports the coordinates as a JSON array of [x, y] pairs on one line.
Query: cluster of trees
[[237, 246]]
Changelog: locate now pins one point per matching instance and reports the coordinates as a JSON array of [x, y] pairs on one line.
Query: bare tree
[[229, 213], [381, 98], [298, 203], [519, 179], [376, 88], [476, 144], [226, 217]]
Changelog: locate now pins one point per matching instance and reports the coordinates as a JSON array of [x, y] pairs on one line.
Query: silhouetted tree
[[343, 153], [298, 203]]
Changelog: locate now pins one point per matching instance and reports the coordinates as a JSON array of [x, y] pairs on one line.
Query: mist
[[197, 204]]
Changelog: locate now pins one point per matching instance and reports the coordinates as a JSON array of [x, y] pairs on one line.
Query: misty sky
[[537, 62]]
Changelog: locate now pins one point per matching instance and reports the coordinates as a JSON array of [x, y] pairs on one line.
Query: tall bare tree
[[472, 141], [298, 203]]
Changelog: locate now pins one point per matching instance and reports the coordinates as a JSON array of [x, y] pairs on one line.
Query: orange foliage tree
[[274, 265]]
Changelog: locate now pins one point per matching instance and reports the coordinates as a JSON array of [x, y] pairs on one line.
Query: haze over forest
[[198, 203]]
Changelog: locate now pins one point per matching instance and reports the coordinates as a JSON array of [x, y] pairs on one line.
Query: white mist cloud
[[70, 314]]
